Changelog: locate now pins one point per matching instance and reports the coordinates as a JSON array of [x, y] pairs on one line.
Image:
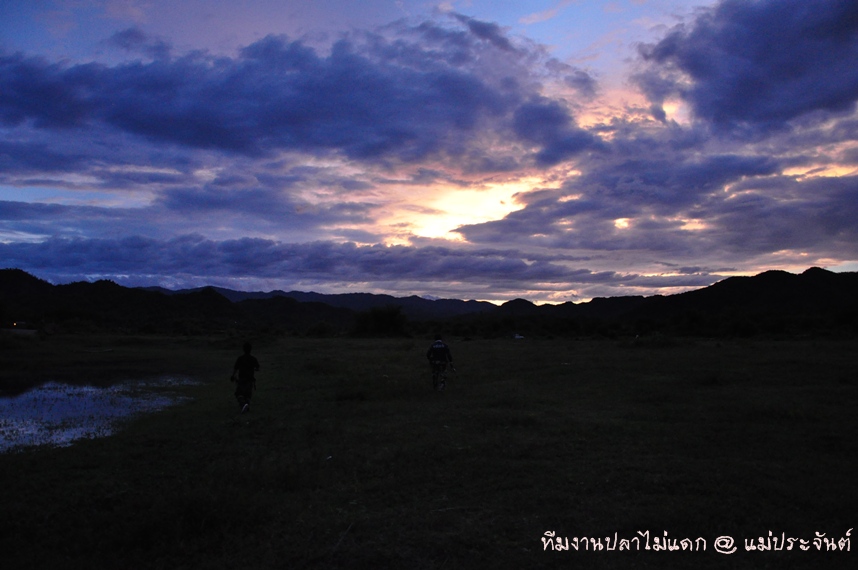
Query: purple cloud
[[760, 63], [548, 124], [192, 260], [372, 98], [133, 40]]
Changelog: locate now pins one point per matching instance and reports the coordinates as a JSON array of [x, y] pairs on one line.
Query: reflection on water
[[58, 414]]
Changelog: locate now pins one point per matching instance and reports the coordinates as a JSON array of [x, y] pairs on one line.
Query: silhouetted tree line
[[382, 321]]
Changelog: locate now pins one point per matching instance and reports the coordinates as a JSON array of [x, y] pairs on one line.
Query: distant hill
[[814, 292], [413, 307], [773, 302], [104, 305]]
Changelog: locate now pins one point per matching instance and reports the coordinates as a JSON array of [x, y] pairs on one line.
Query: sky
[[552, 150]]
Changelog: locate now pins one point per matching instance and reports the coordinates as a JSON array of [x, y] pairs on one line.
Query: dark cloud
[[48, 94], [487, 31], [39, 220], [548, 124], [134, 40], [760, 63], [243, 198], [627, 185], [816, 216], [740, 227], [191, 260], [372, 98], [210, 208], [578, 79], [11, 211], [582, 82], [31, 157], [669, 184]]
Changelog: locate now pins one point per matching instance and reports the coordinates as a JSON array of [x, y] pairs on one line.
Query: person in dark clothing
[[243, 374], [439, 355]]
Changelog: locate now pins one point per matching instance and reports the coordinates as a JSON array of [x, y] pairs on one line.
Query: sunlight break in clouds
[[449, 208]]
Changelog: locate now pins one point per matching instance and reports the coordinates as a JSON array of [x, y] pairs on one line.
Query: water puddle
[[58, 414]]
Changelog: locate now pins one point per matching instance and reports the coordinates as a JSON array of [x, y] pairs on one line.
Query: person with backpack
[[439, 355], [243, 374]]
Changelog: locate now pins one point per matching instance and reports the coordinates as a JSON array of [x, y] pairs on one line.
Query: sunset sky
[[550, 150]]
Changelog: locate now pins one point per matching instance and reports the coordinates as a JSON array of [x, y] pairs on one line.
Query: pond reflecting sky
[[58, 414]]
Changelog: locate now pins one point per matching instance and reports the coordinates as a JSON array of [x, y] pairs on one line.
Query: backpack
[[438, 352]]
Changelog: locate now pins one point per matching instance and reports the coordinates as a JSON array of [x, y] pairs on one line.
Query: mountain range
[[413, 307], [773, 302]]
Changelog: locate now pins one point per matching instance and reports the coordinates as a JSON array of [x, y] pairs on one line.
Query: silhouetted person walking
[[439, 355], [243, 376]]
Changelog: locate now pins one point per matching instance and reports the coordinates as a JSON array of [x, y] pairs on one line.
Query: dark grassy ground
[[349, 460]]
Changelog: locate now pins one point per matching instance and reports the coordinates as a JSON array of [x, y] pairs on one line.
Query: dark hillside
[[105, 305], [520, 308], [284, 314], [604, 307], [21, 294], [773, 302], [413, 307], [814, 290], [15, 283]]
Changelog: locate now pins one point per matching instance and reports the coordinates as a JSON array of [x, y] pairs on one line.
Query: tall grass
[[348, 458]]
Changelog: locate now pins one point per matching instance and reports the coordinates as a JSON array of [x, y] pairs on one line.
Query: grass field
[[348, 459]]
